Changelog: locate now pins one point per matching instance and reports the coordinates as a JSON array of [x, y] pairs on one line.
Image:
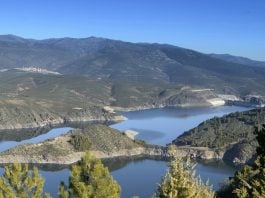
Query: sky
[[211, 26]]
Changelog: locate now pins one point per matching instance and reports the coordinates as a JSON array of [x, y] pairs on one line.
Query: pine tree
[[18, 181], [89, 178], [250, 181], [180, 181], [63, 192], [261, 140]]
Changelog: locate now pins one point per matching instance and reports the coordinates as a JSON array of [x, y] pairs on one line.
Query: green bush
[[80, 142]]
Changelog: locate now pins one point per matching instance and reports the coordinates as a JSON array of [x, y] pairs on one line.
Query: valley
[[154, 126], [126, 100], [132, 99], [98, 72], [33, 100]]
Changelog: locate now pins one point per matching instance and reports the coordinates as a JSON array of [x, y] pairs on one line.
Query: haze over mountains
[[239, 60], [140, 62]]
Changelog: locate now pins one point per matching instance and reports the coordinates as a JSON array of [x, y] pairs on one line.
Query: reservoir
[[140, 176]]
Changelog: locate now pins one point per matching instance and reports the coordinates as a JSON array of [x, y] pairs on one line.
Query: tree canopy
[[89, 178], [18, 181], [180, 181], [250, 181]]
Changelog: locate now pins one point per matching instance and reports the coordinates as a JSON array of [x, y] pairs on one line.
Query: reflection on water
[[161, 126], [148, 135], [136, 176], [140, 176], [53, 180], [215, 172], [12, 138], [5, 145], [125, 170], [18, 135], [117, 163]]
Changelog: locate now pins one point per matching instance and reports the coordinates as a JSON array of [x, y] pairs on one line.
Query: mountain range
[[239, 60], [137, 62]]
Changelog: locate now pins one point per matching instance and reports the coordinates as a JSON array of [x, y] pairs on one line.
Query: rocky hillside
[[232, 133], [30, 100], [93, 73], [28, 117], [100, 140]]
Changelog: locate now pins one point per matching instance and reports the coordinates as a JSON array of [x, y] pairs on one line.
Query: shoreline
[[149, 107], [73, 158], [196, 153], [82, 120], [60, 122], [117, 117], [105, 142]]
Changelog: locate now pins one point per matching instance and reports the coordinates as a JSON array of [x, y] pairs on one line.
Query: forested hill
[[141, 62], [233, 133]]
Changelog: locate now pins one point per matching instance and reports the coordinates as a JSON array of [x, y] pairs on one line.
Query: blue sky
[[219, 26]]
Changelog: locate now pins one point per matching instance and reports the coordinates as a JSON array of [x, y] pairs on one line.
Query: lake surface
[[161, 126], [141, 176], [5, 145]]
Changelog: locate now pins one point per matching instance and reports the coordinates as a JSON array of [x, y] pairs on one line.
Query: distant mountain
[[50, 53], [140, 62], [239, 60]]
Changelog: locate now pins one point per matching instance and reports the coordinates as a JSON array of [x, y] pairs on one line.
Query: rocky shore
[[235, 153], [76, 156], [233, 135], [32, 119], [59, 150], [199, 153], [25, 119], [160, 106], [105, 143]]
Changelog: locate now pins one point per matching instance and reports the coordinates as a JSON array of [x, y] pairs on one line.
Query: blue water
[[5, 145], [140, 178], [53, 180], [159, 126]]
